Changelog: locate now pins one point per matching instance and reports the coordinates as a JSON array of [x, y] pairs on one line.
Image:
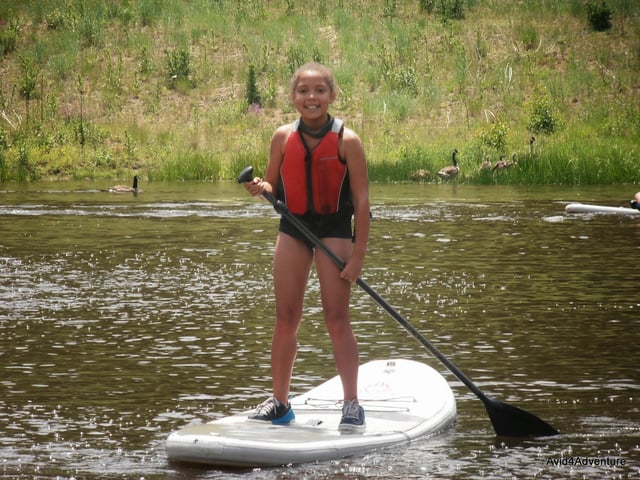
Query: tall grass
[[188, 166], [164, 86]]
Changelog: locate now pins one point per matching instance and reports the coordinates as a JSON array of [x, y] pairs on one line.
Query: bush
[[8, 38], [29, 77], [179, 67], [253, 95], [543, 117], [4, 144], [447, 9], [599, 15], [495, 136]]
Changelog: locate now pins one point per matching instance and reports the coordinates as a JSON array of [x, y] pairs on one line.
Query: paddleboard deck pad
[[583, 208], [403, 400]]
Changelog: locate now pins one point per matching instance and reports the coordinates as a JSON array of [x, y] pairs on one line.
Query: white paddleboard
[[403, 400], [582, 208]]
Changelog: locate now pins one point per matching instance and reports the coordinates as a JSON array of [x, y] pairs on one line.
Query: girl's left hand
[[351, 271]]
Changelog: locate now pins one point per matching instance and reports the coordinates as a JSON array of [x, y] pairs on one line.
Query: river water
[[123, 318]]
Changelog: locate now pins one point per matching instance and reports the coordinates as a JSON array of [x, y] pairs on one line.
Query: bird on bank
[[126, 189], [500, 164], [486, 165], [420, 174], [503, 164], [450, 171]]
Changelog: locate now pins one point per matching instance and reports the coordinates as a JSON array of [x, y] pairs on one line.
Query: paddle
[[506, 419]]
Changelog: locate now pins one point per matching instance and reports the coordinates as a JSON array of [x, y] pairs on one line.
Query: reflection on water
[[123, 318]]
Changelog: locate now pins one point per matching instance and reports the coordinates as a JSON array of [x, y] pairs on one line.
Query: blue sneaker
[[271, 410], [352, 417]]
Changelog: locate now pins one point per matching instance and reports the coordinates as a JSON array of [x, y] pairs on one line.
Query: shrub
[[56, 19], [144, 61], [529, 37], [495, 136], [179, 67], [543, 116], [295, 57], [390, 9], [426, 5], [90, 27], [8, 38], [599, 15], [29, 77], [24, 167], [253, 95], [447, 9], [4, 144], [452, 10]]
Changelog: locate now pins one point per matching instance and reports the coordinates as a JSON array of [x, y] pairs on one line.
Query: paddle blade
[[510, 421]]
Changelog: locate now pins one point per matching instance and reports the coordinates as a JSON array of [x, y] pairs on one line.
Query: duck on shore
[[420, 174], [450, 171]]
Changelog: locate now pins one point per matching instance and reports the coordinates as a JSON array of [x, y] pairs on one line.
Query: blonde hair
[[315, 67]]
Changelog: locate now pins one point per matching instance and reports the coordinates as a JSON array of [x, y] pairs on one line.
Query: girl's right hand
[[255, 187]]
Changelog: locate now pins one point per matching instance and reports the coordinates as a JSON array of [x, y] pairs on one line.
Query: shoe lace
[[351, 409], [267, 407]]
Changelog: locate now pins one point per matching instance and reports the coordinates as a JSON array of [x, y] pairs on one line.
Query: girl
[[318, 168]]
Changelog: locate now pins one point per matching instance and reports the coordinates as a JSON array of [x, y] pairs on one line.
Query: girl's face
[[312, 97]]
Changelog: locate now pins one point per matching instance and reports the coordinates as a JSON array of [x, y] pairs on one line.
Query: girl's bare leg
[[292, 263], [335, 293]]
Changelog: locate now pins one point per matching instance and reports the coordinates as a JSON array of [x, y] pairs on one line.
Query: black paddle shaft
[[507, 420]]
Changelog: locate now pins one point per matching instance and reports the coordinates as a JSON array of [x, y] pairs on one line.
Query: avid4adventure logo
[[578, 461]]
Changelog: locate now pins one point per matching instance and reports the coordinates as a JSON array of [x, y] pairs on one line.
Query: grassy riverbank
[[105, 89]]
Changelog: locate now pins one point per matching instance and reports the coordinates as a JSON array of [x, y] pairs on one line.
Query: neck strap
[[317, 133]]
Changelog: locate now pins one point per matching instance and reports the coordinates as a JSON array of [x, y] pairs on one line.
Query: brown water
[[123, 318]]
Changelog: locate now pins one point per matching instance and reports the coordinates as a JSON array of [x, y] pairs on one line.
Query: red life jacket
[[315, 181]]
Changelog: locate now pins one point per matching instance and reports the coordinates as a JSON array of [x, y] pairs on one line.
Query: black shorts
[[337, 225]]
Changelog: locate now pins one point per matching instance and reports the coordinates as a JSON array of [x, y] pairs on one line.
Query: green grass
[[90, 88]]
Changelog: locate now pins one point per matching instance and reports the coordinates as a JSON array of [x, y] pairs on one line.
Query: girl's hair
[[316, 67]]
